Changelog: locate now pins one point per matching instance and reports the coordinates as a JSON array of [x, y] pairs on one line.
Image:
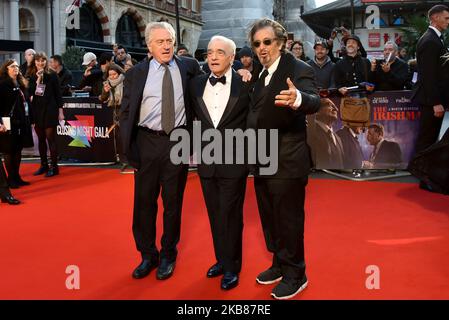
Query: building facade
[[233, 19], [102, 22]]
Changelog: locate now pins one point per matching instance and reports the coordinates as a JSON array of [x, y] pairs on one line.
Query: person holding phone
[[92, 80], [391, 73], [112, 95], [46, 103], [15, 133]]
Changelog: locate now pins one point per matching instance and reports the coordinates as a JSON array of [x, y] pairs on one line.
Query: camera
[[338, 29]]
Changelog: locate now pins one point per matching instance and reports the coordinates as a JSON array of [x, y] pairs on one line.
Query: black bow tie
[[213, 81]]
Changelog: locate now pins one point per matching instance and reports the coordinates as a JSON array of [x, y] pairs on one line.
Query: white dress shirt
[[436, 30], [272, 69], [216, 97]]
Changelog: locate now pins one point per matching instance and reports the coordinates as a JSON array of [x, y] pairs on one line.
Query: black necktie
[[213, 80], [168, 102], [260, 84]]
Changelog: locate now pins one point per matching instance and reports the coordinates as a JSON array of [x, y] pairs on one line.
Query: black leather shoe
[[425, 186], [10, 199], [215, 271], [165, 269], [230, 280], [144, 269], [43, 169], [53, 171]]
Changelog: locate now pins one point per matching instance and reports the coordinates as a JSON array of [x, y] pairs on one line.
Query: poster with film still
[[387, 143]]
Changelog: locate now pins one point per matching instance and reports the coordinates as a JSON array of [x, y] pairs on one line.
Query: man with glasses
[[284, 93]]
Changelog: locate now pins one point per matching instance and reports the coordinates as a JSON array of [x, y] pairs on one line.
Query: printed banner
[[387, 142], [84, 134]]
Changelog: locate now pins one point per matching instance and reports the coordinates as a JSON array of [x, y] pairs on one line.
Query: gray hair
[[230, 43], [279, 31], [159, 25], [395, 46]]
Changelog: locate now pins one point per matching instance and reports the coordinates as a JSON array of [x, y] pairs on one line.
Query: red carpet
[[83, 218]]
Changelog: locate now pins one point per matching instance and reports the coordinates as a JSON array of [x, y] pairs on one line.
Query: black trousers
[[429, 129], [156, 175], [281, 209], [4, 188], [12, 164], [224, 199]]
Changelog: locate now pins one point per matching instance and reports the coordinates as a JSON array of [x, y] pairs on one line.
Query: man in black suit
[[221, 101], [430, 89], [284, 93], [352, 151], [386, 154], [155, 101], [326, 147]]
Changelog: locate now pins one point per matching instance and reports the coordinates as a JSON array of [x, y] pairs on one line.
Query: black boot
[[53, 171], [43, 169]]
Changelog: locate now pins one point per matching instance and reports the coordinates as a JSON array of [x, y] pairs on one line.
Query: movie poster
[[386, 143]]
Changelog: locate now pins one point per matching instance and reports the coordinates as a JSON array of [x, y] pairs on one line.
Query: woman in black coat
[[13, 109], [46, 107], [5, 194]]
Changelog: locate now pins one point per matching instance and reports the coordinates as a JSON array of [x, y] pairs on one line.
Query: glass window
[[90, 26], [127, 32]]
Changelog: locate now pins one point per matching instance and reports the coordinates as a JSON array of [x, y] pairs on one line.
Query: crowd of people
[[31, 96], [270, 85]]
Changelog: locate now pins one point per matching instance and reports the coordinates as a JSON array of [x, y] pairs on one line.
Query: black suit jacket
[[234, 117], [353, 154], [293, 154], [134, 85], [429, 90], [388, 156]]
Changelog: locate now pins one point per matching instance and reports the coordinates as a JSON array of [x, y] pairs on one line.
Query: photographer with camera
[[342, 52], [390, 73]]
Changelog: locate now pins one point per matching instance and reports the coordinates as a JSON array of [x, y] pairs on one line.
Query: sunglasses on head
[[266, 42]]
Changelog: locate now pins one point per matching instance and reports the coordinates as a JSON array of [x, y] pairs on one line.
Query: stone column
[[14, 33]]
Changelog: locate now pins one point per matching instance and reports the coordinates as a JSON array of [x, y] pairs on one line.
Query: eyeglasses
[[266, 42], [13, 66]]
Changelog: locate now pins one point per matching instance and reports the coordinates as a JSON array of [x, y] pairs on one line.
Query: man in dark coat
[[352, 151], [431, 88], [429, 92], [221, 101], [284, 93], [386, 154], [155, 102], [326, 147]]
